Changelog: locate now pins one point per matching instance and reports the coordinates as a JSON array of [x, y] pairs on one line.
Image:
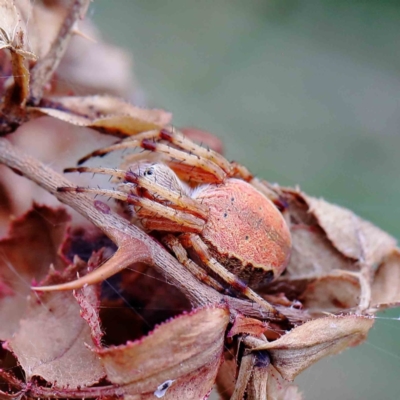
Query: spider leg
[[173, 243], [176, 200], [179, 139], [195, 242], [131, 142], [181, 221], [241, 172], [232, 169], [197, 168]]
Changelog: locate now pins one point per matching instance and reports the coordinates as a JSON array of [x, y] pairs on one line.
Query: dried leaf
[[267, 383], [52, 338], [43, 24], [247, 325], [308, 343], [186, 350], [12, 29], [85, 75], [332, 293], [313, 254], [26, 256], [105, 114], [227, 374], [351, 235], [386, 284], [5, 207]]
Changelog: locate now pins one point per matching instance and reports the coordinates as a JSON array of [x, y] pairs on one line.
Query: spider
[[203, 209]]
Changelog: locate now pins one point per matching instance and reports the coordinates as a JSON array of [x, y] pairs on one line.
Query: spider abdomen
[[245, 231]]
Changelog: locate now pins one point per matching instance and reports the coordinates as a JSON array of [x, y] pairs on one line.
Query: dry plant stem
[[245, 371], [44, 69], [257, 388], [136, 244]]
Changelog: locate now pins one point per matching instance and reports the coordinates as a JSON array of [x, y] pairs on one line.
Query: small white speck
[[162, 389]]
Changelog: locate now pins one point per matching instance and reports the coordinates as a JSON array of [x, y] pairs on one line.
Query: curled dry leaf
[[331, 246], [5, 206], [227, 374], [351, 235], [85, 75], [386, 284], [12, 29], [247, 325], [105, 114], [13, 38], [52, 339], [42, 24], [308, 343], [332, 293], [267, 383], [313, 255], [26, 257], [186, 350]]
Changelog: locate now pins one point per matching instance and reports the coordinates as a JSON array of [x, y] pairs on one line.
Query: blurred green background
[[301, 92]]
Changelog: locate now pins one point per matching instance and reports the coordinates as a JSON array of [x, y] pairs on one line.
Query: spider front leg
[[195, 242], [169, 218], [157, 181]]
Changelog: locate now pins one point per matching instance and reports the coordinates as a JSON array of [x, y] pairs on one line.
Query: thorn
[[77, 32]]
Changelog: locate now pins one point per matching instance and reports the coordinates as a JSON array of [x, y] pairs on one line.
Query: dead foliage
[[153, 330]]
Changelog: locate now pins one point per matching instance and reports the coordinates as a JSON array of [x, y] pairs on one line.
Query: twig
[[45, 67]]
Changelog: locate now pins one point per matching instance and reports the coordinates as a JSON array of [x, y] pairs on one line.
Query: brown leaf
[[247, 325], [186, 351], [227, 374], [267, 383], [308, 343], [332, 293], [351, 235], [386, 284], [313, 254], [43, 24], [105, 114], [12, 29], [52, 340], [26, 253], [85, 75], [5, 206]]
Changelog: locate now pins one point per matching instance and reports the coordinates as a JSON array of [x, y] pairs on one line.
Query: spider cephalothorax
[[209, 217]]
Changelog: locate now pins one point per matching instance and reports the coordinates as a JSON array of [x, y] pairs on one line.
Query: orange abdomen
[[245, 231]]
